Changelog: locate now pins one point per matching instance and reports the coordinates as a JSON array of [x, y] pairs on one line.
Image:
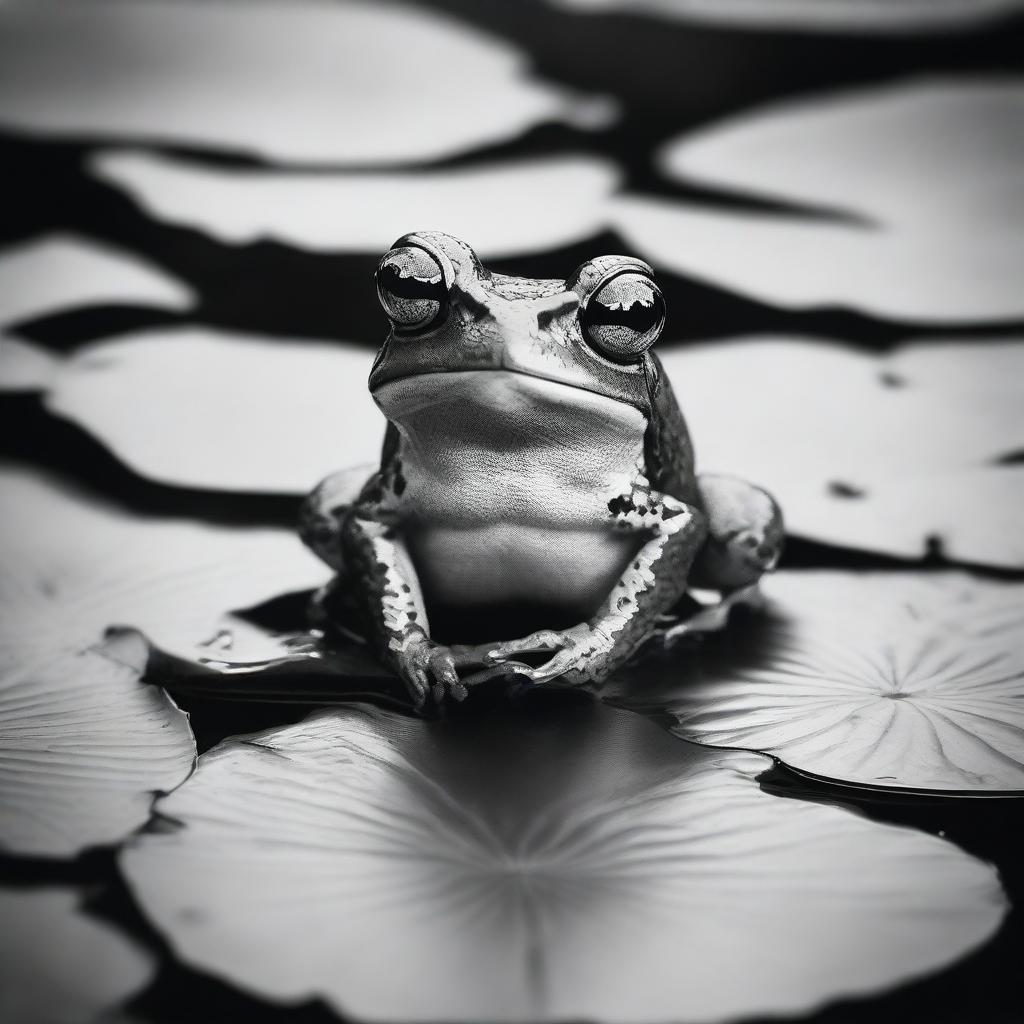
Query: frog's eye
[[624, 317], [411, 288]]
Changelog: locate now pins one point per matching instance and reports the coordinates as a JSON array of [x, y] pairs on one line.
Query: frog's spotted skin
[[523, 465]]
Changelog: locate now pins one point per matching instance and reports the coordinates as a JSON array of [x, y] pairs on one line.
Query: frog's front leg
[[651, 584], [354, 526], [397, 617]]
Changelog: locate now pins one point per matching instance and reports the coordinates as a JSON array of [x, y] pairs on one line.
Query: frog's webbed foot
[[745, 534], [578, 654]]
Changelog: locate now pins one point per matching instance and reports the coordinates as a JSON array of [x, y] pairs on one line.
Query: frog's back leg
[[745, 533], [744, 524], [323, 513]]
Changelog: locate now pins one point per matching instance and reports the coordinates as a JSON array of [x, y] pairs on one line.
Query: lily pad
[[878, 452], [59, 272], [74, 567], [85, 744], [969, 515], [811, 15], [366, 212], [225, 411], [60, 966], [907, 200], [85, 747], [25, 366], [910, 681], [313, 82], [564, 862]]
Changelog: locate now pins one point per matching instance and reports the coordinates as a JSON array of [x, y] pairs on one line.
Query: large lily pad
[[811, 15], [879, 452], [85, 743], [59, 272], [366, 212], [908, 198], [85, 747], [25, 366], [566, 862], [971, 515], [60, 966], [912, 681], [225, 411], [310, 81], [74, 567]]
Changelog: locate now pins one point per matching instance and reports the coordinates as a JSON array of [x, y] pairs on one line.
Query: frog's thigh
[[322, 514], [745, 533]]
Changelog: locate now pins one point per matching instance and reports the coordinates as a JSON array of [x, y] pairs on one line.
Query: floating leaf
[[25, 366], [225, 411], [73, 568], [812, 15], [60, 966], [971, 515], [58, 272], [879, 452], [311, 81], [913, 681], [85, 746], [366, 212], [991, 373], [913, 196], [560, 862]]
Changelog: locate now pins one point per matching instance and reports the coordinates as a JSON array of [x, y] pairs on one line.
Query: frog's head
[[450, 315]]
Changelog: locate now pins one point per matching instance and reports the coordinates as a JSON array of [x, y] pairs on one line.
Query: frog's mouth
[[525, 349], [614, 384], [504, 408]]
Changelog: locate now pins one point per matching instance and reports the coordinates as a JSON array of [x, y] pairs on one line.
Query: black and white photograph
[[512, 512]]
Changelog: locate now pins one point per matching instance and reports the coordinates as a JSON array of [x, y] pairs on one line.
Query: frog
[[537, 483]]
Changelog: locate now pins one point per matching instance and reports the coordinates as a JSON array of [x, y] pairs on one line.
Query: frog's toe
[[560, 665], [541, 642], [445, 675], [441, 665], [417, 685]]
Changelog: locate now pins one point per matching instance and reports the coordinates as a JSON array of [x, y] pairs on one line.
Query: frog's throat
[[495, 387], [505, 410]]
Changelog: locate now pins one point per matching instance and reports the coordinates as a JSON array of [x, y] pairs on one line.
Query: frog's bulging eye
[[624, 317], [411, 288]]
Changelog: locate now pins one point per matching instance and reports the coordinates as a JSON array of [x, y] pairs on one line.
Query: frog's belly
[[499, 563], [507, 483]]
